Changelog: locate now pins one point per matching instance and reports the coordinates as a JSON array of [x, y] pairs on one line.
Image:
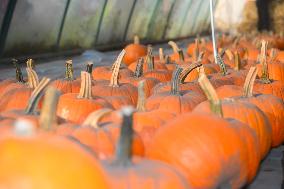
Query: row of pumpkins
[[196, 124]]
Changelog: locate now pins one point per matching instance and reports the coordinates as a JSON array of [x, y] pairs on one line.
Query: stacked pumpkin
[[197, 124]]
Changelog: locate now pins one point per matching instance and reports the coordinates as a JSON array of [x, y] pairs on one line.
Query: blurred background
[[30, 27]]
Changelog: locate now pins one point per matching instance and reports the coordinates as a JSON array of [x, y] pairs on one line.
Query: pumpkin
[[134, 51], [15, 96], [174, 100], [68, 84], [127, 171], [101, 138], [74, 107], [241, 111], [37, 159], [114, 88], [178, 143], [178, 55]]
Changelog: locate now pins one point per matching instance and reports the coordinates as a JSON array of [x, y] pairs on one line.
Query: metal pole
[[213, 30]]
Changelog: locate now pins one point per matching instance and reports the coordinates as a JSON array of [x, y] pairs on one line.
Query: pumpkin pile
[[196, 124]]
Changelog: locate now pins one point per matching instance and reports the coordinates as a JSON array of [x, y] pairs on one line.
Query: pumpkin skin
[[161, 75], [37, 159], [105, 72], [275, 88], [273, 107], [208, 68], [227, 91], [275, 71], [177, 144], [134, 51], [248, 114]]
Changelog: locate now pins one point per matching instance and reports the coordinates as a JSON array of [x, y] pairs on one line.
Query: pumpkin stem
[[175, 81], [248, 85], [229, 54], [136, 40], [189, 69], [19, 74], [196, 50], [69, 70], [35, 96], [123, 152], [210, 92], [174, 46], [115, 72], [221, 64], [263, 62], [86, 85], [161, 55], [33, 80], [139, 68], [141, 96], [237, 61], [150, 63], [181, 55], [236, 42], [93, 119], [89, 67], [30, 63], [273, 54], [48, 116], [167, 59]]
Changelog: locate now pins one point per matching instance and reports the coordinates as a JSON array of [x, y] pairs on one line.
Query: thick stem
[[150, 63], [249, 82], [221, 64], [123, 152], [176, 81], [189, 69], [93, 119], [174, 46], [196, 50], [86, 86], [69, 70], [33, 80], [161, 55], [36, 95], [136, 40], [48, 118], [141, 97], [19, 74], [139, 68], [89, 67], [30, 63], [210, 92], [237, 61], [263, 62], [115, 72], [181, 55]]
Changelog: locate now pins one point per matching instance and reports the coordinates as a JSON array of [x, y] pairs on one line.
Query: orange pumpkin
[[75, 107], [134, 51]]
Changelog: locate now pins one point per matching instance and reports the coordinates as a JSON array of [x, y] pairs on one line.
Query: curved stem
[[237, 61], [93, 119], [229, 54], [136, 40], [33, 80], [174, 46], [115, 72], [141, 97], [86, 86], [139, 68], [249, 82], [69, 70], [189, 69], [19, 74], [210, 92], [221, 64], [123, 153], [175, 81], [181, 55], [48, 118], [161, 55], [30, 64], [36, 95], [89, 67]]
